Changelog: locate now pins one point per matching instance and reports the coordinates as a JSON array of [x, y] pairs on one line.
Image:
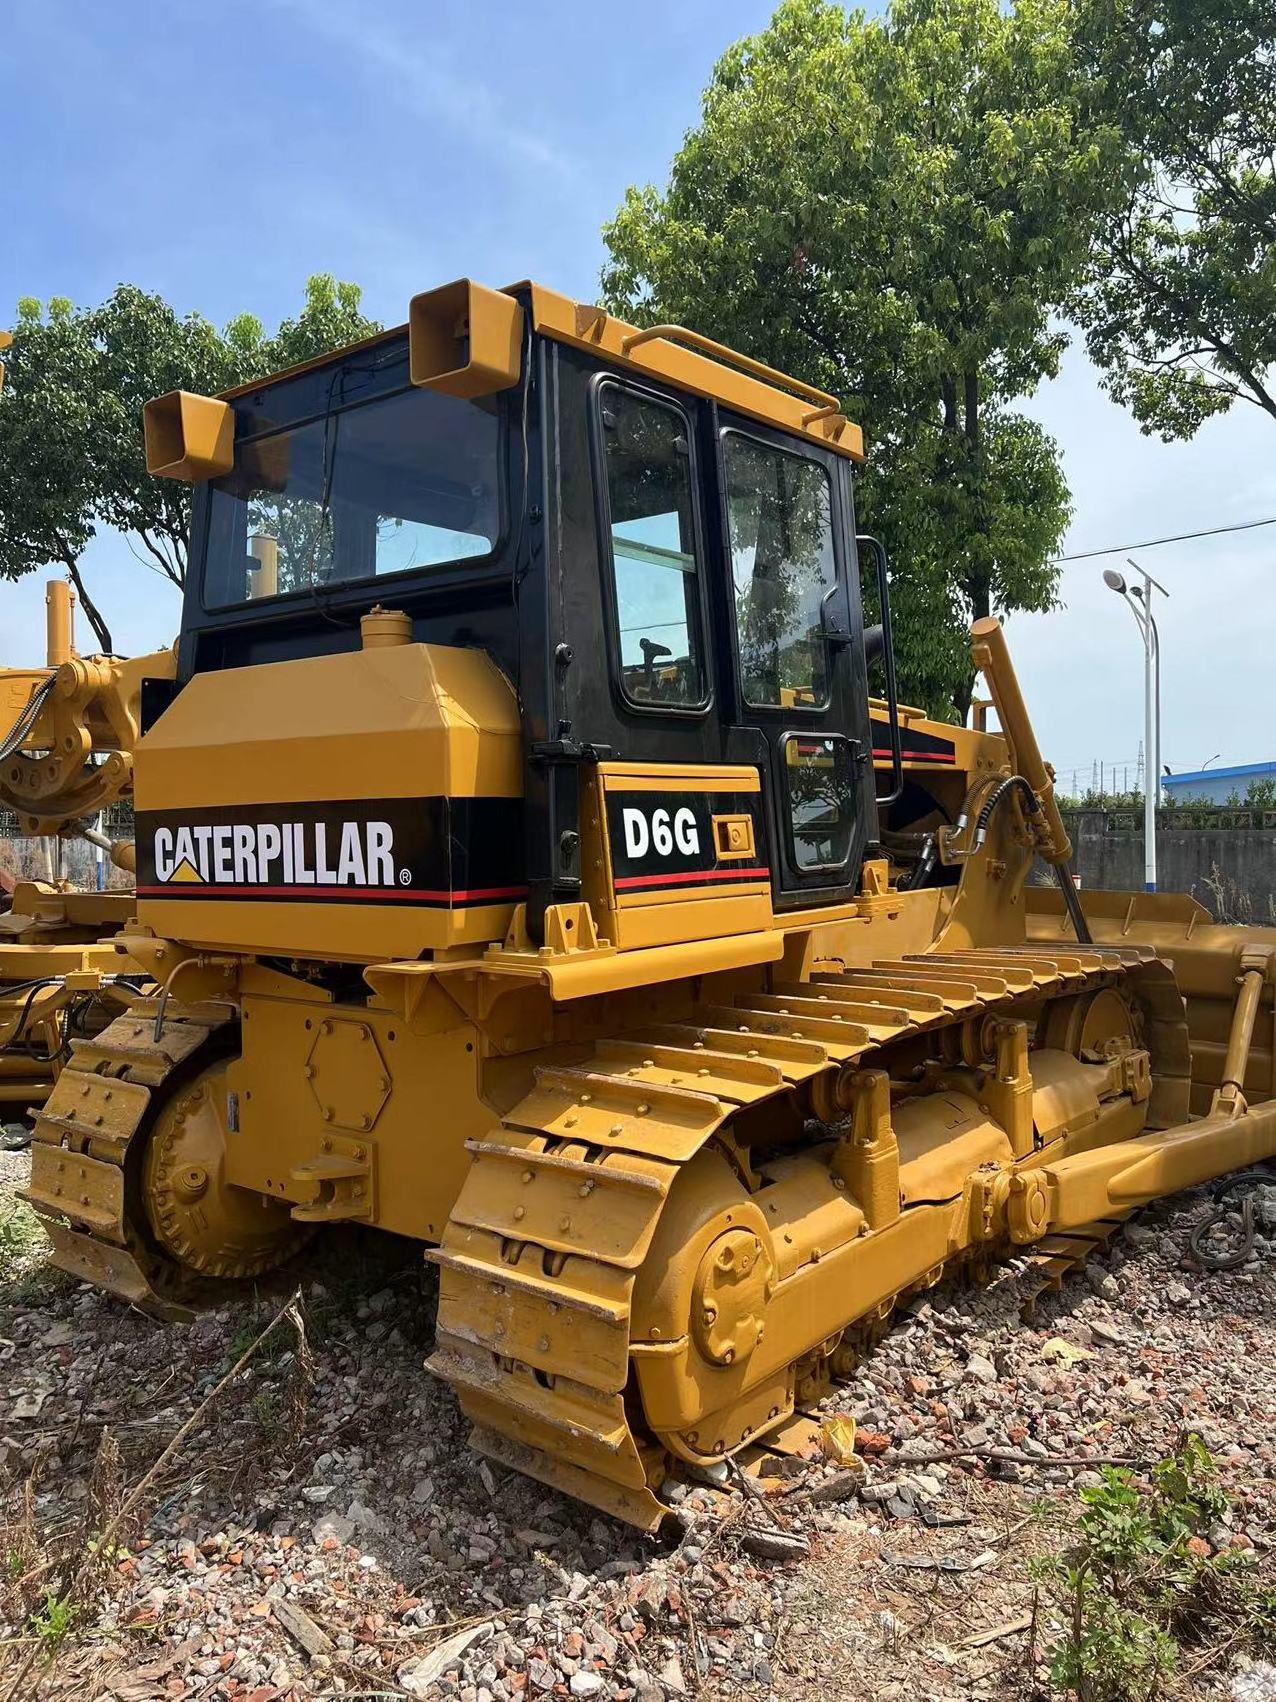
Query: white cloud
[[429, 82]]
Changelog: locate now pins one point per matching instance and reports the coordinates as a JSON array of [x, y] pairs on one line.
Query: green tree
[[46, 487], [72, 457], [1181, 317], [895, 209]]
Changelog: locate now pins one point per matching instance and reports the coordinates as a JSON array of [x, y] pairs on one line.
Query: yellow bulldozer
[[66, 754], [528, 864]]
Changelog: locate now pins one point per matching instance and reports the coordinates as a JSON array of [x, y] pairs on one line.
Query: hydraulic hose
[[925, 863], [1012, 783], [20, 1026], [1249, 1179], [18, 734], [1072, 904], [1062, 871]]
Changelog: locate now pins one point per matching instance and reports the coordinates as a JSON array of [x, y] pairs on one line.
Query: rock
[[1256, 1683], [650, 1599], [417, 1677], [981, 1369], [585, 1684], [787, 1465], [1105, 1332], [838, 1486], [1178, 1293], [540, 1675], [771, 1544], [300, 1627], [364, 1519], [333, 1527], [1103, 1282], [670, 1676], [875, 1494]]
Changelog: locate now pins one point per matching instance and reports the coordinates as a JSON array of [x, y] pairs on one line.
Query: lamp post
[[1139, 599]]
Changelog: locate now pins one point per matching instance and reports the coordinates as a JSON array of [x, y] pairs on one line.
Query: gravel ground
[[323, 1531]]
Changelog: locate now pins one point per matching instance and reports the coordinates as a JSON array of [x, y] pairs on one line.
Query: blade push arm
[[68, 730]]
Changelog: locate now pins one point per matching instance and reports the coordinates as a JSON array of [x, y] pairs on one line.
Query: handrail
[[829, 405], [865, 540]]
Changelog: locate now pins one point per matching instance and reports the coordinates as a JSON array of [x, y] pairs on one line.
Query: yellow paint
[[188, 437], [679, 1155]]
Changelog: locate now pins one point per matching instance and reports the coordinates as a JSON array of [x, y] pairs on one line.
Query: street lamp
[[1139, 600]]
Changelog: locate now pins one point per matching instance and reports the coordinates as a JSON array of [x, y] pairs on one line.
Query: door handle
[[835, 616]]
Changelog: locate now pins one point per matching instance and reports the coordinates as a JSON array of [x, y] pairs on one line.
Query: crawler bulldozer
[[67, 733], [533, 859]]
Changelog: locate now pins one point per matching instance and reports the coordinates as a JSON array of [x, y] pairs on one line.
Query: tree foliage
[[895, 209], [1182, 313], [72, 458]]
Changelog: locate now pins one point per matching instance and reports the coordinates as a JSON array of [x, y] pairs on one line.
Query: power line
[[1177, 538]]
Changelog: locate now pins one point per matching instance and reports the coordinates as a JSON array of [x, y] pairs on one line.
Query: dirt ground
[[321, 1529]]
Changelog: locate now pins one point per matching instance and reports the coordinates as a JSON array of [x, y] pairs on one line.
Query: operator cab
[[652, 538]]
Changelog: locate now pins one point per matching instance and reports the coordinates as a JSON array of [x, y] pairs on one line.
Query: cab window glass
[[779, 510], [401, 483], [819, 777], [653, 550]]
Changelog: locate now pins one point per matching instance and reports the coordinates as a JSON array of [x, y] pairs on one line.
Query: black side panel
[[545, 658], [434, 851]]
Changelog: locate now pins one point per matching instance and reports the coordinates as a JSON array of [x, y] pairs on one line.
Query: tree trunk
[[101, 631], [979, 578], [962, 697]]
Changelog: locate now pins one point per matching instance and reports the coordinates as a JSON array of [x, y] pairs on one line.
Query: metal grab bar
[[828, 405], [877, 549]]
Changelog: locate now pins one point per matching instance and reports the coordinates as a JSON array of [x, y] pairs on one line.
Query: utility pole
[[1139, 599]]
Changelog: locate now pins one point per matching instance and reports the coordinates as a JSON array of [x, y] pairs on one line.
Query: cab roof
[[686, 359]]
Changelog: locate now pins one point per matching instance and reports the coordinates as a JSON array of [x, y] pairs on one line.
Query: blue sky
[[221, 155]]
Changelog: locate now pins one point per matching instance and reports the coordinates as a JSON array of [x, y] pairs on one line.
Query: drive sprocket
[[204, 1222]]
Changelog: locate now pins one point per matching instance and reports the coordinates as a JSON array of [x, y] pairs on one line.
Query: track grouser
[[533, 858]]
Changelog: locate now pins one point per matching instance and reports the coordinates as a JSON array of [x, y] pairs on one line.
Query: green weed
[[52, 1623], [1141, 1582], [21, 1237]]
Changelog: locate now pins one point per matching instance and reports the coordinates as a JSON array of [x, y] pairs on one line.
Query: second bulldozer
[[528, 866]]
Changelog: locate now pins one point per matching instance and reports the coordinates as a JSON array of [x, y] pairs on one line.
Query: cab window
[[819, 778], [779, 512], [655, 571], [404, 482]]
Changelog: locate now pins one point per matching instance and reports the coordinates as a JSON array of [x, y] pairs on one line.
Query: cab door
[[796, 655]]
